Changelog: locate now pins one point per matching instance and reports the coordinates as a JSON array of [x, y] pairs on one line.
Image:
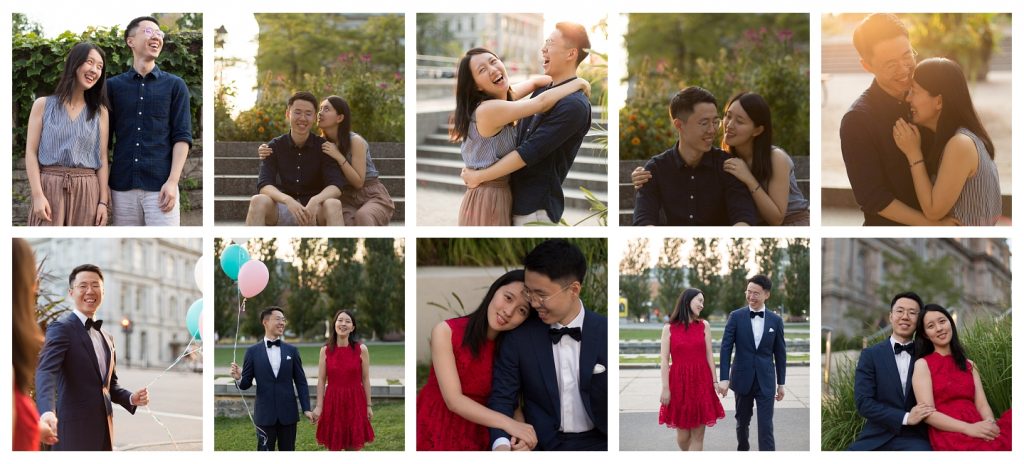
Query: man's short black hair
[[84, 268], [557, 259], [875, 28], [130, 30], [304, 96], [270, 310], [683, 101], [911, 295], [761, 280]]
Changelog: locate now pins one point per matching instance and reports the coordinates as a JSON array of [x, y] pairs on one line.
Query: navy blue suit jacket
[[881, 399], [767, 360], [69, 383], [526, 365], [275, 396]]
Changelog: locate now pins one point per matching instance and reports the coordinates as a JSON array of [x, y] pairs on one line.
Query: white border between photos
[[410, 232]]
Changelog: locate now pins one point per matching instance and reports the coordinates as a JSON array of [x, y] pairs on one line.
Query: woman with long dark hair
[[343, 403], [945, 378], [66, 147], [486, 106], [965, 184], [451, 409], [765, 169], [27, 340], [689, 402]]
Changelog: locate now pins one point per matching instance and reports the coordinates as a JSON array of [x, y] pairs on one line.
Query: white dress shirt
[[567, 372], [274, 353], [97, 345], [903, 366], [757, 324]]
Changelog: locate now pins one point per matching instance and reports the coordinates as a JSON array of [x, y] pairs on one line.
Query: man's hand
[[919, 413], [48, 428], [168, 196], [723, 388], [141, 397], [299, 212], [310, 416], [236, 373], [520, 445], [780, 393], [313, 209]]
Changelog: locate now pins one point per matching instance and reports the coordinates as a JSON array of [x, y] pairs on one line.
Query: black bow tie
[[556, 334], [908, 348], [276, 343], [91, 324], [754, 314]]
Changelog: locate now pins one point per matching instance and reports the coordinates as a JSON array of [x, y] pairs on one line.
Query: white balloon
[[200, 272]]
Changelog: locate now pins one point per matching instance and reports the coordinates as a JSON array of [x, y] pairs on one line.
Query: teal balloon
[[232, 259], [194, 319]]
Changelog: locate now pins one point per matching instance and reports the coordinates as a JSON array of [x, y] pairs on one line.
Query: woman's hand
[[369, 412], [584, 85], [264, 151], [316, 413], [739, 169], [330, 149], [908, 139], [101, 214], [666, 396], [471, 178], [984, 430], [639, 177], [522, 431], [41, 207], [541, 81]]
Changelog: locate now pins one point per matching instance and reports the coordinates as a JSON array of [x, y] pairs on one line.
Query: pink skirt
[[490, 204], [73, 194]]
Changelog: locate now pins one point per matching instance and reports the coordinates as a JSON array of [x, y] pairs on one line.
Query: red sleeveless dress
[[953, 393], [693, 401], [343, 423], [439, 429]]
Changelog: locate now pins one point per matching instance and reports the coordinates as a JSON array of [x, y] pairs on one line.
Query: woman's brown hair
[[27, 338]]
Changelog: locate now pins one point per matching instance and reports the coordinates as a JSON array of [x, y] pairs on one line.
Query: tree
[[307, 306], [797, 298], [343, 280], [382, 293], [634, 275], [434, 37], [931, 278], [705, 266], [382, 37], [22, 25], [734, 291], [768, 256], [671, 275], [291, 45]]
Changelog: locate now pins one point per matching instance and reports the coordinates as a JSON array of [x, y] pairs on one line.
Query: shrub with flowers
[[762, 61]]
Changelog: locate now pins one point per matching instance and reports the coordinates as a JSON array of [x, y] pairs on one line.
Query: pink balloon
[[253, 278]]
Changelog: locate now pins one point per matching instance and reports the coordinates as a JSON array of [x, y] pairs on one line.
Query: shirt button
[[142, 98], [138, 128], [691, 177], [140, 113], [691, 197], [136, 160], [691, 216], [136, 144]]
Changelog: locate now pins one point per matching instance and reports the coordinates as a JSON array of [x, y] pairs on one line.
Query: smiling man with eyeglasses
[[152, 127], [564, 388], [878, 171]]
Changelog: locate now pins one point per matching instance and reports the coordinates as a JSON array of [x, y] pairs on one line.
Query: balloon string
[[168, 430], [261, 435], [185, 353]]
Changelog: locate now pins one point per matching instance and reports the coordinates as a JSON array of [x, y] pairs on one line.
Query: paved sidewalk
[[176, 400], [435, 207]]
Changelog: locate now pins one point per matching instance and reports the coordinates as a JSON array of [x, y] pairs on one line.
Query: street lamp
[[126, 327]]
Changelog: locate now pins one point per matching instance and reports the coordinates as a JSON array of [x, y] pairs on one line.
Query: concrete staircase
[[439, 162], [236, 170]]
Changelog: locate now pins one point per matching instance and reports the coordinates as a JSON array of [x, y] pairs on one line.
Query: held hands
[[985, 430], [723, 388], [313, 210], [141, 397], [740, 171], [311, 416], [369, 412], [471, 178], [666, 395], [780, 393], [300, 212], [315, 414], [908, 139], [48, 428], [41, 207], [236, 373], [264, 151], [168, 196], [639, 177], [523, 435], [919, 413]]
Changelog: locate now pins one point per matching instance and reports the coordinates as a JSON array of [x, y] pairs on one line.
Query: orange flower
[[632, 117], [260, 129], [635, 141]]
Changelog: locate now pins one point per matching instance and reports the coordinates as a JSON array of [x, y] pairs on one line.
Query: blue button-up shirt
[[149, 115], [299, 172]]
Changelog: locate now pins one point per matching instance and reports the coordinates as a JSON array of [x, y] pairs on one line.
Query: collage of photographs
[[419, 228]]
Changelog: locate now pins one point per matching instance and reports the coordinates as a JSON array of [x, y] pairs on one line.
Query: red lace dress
[[693, 401], [26, 423], [343, 423], [439, 429], [953, 392]]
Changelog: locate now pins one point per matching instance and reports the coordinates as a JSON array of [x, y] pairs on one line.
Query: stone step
[[245, 184], [251, 165], [248, 149], [584, 162], [233, 208], [574, 198], [592, 181]]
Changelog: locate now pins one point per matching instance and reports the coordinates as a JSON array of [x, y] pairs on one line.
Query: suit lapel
[[546, 361], [264, 357], [893, 372], [748, 329], [588, 358], [109, 344], [85, 341]]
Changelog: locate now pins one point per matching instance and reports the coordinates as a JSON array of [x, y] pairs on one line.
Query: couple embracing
[[922, 393], [526, 370], [519, 150]]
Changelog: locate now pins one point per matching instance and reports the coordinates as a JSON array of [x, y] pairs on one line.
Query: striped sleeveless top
[[69, 143], [371, 169], [479, 152], [980, 202]]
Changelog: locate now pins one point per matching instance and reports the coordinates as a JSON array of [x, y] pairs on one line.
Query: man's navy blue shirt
[[149, 114], [299, 172], [548, 143], [702, 195]]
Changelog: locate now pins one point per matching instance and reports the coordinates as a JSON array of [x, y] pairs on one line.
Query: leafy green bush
[[375, 96], [37, 63], [988, 344], [764, 62], [967, 38]]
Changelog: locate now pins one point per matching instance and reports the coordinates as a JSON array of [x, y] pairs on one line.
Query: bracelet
[[915, 163], [104, 205], [756, 189]]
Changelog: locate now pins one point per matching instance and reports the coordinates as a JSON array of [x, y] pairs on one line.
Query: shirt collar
[[154, 74], [576, 322], [81, 316], [265, 339], [893, 341], [882, 98], [759, 310], [677, 159]]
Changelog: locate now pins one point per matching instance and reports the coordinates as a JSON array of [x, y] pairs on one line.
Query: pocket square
[[288, 358], [770, 329], [599, 369]]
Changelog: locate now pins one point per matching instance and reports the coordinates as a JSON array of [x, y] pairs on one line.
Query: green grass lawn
[[654, 359], [716, 333], [382, 355], [388, 428]]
